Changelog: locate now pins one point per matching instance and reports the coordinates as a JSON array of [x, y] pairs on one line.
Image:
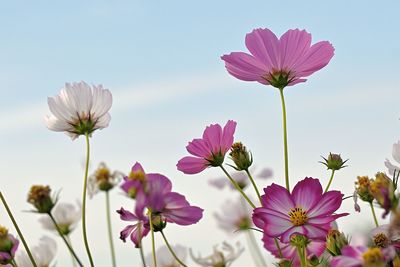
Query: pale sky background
[[161, 60]]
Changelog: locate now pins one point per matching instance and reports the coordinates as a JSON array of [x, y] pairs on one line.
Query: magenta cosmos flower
[[278, 62], [139, 229], [289, 252], [363, 256], [307, 211], [209, 150]]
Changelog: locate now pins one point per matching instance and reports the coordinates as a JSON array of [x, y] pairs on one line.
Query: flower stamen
[[298, 216]]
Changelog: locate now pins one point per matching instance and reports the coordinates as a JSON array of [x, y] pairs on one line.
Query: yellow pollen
[[102, 175], [137, 175], [381, 240], [373, 255], [298, 216], [3, 231]]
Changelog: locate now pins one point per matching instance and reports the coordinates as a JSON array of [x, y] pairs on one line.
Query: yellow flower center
[[137, 175], [3, 231], [381, 240], [102, 175], [298, 216], [373, 256]]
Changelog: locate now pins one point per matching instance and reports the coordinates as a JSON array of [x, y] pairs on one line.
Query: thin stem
[[18, 230], [84, 201], [171, 250], [110, 229], [153, 244], [72, 255], [255, 249], [302, 256], [373, 214], [330, 181], [14, 263], [254, 185], [238, 187], [65, 240], [285, 143], [140, 245], [278, 247]]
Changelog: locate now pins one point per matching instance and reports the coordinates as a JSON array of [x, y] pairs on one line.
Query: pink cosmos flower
[[209, 150], [289, 252], [278, 62], [7, 255], [306, 211], [363, 256], [136, 231]]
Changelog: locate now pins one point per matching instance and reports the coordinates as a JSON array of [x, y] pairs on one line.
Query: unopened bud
[[241, 157], [39, 197], [334, 162], [335, 241]]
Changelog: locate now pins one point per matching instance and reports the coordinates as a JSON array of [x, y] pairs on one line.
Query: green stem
[[153, 244], [330, 181], [65, 240], [72, 255], [301, 252], [84, 201], [238, 187], [254, 185], [140, 245], [171, 250], [285, 143], [110, 238], [278, 247], [255, 249], [373, 214], [18, 230], [14, 263]]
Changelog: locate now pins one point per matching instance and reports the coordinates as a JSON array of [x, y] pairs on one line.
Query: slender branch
[[254, 185], [330, 181], [72, 256], [153, 244], [373, 214], [171, 250], [285, 142], [65, 240], [278, 247], [18, 230], [238, 187], [110, 238], [84, 201]]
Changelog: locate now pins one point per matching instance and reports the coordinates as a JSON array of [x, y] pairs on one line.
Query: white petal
[[103, 121], [57, 125], [396, 151], [102, 101]]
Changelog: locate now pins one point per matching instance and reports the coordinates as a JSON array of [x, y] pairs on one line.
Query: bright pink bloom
[[209, 150], [136, 231], [278, 62], [307, 211], [289, 252], [358, 257]]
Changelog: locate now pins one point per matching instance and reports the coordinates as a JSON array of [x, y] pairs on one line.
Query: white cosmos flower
[[79, 109], [65, 214], [164, 257], [396, 157], [234, 216], [223, 257], [43, 253]]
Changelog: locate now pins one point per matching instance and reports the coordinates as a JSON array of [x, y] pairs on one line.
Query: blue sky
[[161, 61]]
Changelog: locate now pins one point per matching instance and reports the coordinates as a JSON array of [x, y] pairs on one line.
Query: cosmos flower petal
[[192, 165], [307, 193], [328, 204], [137, 236], [326, 219], [277, 198], [276, 226], [285, 237], [244, 67], [212, 136], [198, 147], [396, 151], [293, 45], [227, 135], [126, 232], [315, 232], [126, 215], [102, 101], [264, 45]]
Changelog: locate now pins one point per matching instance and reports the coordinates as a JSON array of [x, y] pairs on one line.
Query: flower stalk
[[285, 142], [171, 250], [153, 245], [373, 214], [330, 181], [110, 238], [17, 229], [141, 247], [254, 184]]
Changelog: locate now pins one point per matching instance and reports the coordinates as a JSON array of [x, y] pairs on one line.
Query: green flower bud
[[241, 157], [334, 162], [335, 241], [39, 197]]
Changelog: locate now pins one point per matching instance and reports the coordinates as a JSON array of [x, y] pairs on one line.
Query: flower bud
[[241, 157], [363, 188], [334, 162], [158, 222], [285, 263], [335, 241], [8, 246], [39, 197]]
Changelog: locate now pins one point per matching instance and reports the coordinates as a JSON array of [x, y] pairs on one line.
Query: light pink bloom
[[396, 156], [358, 257], [289, 252], [306, 211], [234, 216], [209, 150], [278, 62]]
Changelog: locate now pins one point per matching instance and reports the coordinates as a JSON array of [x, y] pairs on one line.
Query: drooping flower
[[135, 180], [39, 196], [240, 178], [383, 190], [278, 62], [362, 256], [103, 179], [210, 150], [165, 258], [136, 231], [235, 216], [220, 257], [8, 246], [306, 211], [66, 215], [44, 253], [79, 109], [396, 156], [289, 251]]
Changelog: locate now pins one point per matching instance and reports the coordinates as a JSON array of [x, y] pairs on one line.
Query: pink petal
[[285, 237], [212, 136], [227, 135], [278, 198], [245, 67], [126, 232], [326, 219], [276, 226], [344, 261], [263, 45], [328, 204], [317, 57], [293, 45], [307, 193], [137, 167], [199, 148], [126, 215], [316, 232], [261, 215], [192, 165]]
